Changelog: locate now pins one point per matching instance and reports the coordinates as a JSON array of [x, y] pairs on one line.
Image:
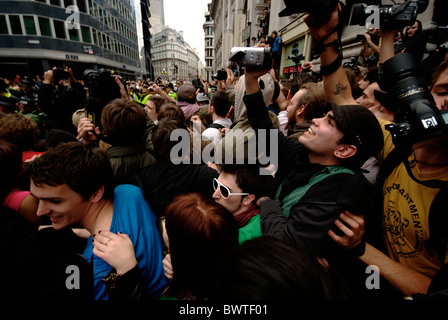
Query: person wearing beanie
[[319, 177]]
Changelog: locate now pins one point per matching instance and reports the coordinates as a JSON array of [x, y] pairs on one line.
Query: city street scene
[[239, 153]]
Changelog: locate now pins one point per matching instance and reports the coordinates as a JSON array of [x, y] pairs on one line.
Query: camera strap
[[398, 155], [437, 184]]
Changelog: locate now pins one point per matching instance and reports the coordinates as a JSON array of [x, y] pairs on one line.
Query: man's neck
[[431, 158], [216, 117], [99, 216]]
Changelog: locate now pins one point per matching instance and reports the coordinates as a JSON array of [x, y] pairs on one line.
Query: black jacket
[[162, 181], [314, 214]]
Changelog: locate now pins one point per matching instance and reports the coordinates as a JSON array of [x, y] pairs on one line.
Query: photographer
[[411, 260], [58, 101]]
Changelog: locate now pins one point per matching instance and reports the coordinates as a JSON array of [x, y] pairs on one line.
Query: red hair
[[200, 232]]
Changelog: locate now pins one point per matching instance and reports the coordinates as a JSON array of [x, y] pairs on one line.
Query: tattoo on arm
[[340, 89]]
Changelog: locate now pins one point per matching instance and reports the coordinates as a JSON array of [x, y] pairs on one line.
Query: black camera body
[[102, 89], [319, 9], [416, 115], [60, 74], [353, 63], [252, 57], [196, 82], [295, 56], [392, 17], [372, 60], [220, 75]]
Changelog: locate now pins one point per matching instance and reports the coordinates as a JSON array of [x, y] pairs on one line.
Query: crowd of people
[[110, 181]]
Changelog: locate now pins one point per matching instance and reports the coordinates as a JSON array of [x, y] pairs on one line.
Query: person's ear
[[345, 151], [97, 195], [248, 199], [300, 110]]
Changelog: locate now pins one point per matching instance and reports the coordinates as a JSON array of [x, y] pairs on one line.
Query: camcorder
[[102, 89], [391, 17], [416, 115], [252, 57]]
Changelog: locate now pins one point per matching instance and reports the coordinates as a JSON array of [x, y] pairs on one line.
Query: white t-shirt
[[213, 134]]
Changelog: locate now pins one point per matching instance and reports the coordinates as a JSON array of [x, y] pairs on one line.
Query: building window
[[82, 5], [68, 3], [30, 27], [44, 26], [59, 29], [16, 27], [73, 34], [3, 26], [85, 32]]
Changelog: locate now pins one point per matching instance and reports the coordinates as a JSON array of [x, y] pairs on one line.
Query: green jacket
[[251, 230]]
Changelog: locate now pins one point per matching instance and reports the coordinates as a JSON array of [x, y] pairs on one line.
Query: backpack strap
[[216, 126]]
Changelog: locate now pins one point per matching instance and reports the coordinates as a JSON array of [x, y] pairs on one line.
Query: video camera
[[102, 89], [416, 115], [295, 56], [252, 57], [391, 17]]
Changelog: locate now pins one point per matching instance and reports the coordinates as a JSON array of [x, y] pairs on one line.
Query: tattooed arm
[[336, 86]]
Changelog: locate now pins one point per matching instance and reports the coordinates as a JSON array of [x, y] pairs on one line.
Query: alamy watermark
[[72, 21], [237, 147]]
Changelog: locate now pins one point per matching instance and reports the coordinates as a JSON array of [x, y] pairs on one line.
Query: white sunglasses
[[224, 190]]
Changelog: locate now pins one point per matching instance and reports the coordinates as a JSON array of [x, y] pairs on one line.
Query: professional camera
[[353, 63], [319, 9], [255, 58], [416, 115], [220, 75], [392, 17], [196, 82], [102, 89], [60, 74], [295, 56], [372, 60]]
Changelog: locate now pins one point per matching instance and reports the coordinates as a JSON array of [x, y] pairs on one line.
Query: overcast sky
[[188, 16]]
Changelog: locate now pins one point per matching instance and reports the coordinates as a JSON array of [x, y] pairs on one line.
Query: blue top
[[133, 216], [275, 44]]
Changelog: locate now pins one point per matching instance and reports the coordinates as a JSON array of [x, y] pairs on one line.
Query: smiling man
[[74, 186], [320, 177]]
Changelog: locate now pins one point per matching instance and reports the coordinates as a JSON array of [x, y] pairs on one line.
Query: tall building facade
[[157, 18], [173, 58], [261, 16], [82, 34], [209, 44]]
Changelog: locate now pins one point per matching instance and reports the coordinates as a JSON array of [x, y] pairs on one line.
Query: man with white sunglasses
[[238, 188]]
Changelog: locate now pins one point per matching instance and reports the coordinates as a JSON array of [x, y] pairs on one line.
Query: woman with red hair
[[198, 233]]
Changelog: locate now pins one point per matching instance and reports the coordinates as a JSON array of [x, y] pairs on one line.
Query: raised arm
[[336, 85]]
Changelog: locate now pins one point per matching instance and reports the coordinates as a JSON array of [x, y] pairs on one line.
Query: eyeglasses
[[224, 190]]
